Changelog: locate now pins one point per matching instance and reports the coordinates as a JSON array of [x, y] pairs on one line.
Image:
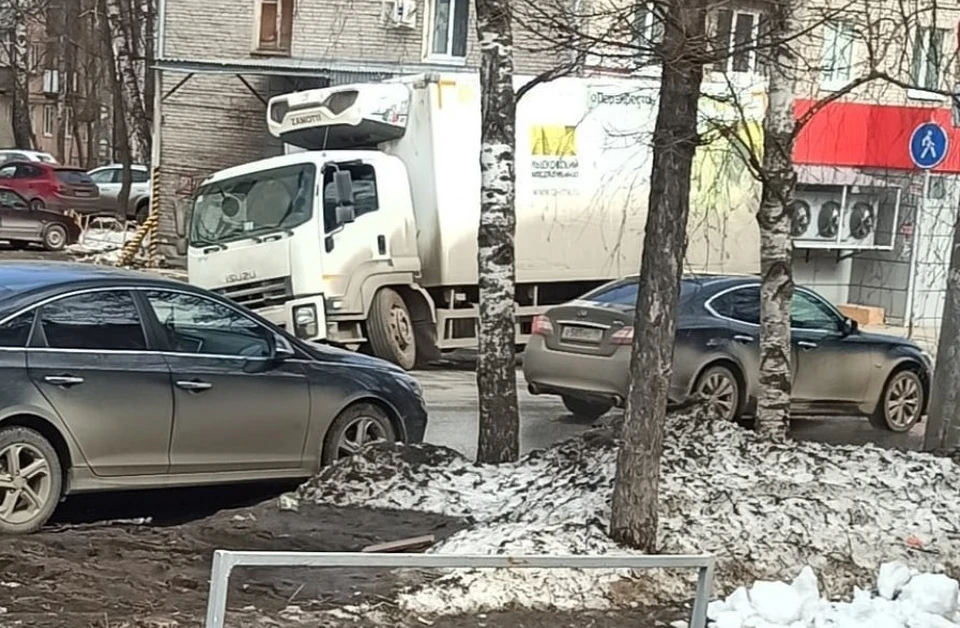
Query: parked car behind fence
[[109, 179], [49, 186], [26, 155], [21, 224]]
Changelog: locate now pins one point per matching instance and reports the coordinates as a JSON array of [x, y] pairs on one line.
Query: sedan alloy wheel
[[30, 480], [902, 402], [719, 389], [356, 427]]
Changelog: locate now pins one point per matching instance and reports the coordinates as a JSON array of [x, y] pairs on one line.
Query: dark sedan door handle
[[745, 339], [806, 344], [194, 385], [63, 380]]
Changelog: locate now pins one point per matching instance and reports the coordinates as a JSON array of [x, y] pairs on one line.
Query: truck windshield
[[253, 204]]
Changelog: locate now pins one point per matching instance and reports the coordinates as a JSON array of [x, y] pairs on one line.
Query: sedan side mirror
[[849, 326], [282, 349]]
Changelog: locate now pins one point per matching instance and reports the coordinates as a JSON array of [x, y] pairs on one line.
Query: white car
[[26, 155], [109, 179]]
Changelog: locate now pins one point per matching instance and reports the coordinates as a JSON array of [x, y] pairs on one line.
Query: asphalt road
[[452, 401]]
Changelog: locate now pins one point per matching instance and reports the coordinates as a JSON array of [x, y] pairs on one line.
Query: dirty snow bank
[[102, 243], [904, 599], [764, 509]]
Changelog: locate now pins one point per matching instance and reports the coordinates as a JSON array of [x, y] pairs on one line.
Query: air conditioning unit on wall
[[398, 14], [844, 217]]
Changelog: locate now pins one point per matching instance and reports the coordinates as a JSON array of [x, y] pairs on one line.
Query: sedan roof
[[22, 276]]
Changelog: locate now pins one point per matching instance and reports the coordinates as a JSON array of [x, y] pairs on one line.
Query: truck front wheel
[[391, 329]]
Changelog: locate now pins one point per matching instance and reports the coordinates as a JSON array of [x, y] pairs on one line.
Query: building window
[[928, 57], [735, 43], [449, 27], [49, 120], [276, 25], [647, 30], [35, 58], [68, 122], [837, 55]]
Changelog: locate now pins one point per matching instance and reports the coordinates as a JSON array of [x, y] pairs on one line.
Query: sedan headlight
[[305, 321]]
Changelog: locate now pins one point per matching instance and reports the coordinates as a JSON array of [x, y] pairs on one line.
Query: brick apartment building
[[84, 144]]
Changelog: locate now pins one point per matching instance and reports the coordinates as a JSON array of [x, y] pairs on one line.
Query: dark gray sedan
[[112, 379], [581, 351]]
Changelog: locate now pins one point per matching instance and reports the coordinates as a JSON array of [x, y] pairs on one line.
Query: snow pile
[[101, 243], [906, 599], [762, 508]]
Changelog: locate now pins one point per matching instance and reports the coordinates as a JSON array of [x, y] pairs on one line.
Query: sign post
[[928, 146]]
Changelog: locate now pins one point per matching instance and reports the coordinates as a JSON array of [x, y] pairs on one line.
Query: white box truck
[[365, 233]]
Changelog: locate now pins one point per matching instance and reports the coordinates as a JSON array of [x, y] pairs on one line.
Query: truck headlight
[[305, 321]]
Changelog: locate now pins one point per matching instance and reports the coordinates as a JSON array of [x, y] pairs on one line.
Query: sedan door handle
[[806, 344], [63, 380], [194, 385], [745, 339]]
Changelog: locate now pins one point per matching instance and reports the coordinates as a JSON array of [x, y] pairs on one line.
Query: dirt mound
[[116, 575]]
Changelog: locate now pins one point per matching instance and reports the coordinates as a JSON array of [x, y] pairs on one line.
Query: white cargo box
[[583, 158]]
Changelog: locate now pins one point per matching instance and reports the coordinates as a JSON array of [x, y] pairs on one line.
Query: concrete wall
[[823, 272]]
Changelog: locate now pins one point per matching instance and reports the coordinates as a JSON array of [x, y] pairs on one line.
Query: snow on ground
[[763, 509], [905, 599], [102, 242]]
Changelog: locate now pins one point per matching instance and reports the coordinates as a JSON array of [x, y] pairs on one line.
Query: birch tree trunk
[[138, 127], [499, 437], [774, 219], [943, 418], [23, 135], [635, 494]]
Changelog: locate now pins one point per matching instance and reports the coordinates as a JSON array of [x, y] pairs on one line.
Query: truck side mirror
[[343, 186]]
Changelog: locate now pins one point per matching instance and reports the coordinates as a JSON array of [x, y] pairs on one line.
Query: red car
[[51, 186]]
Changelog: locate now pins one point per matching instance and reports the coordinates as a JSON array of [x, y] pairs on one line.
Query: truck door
[[355, 250]]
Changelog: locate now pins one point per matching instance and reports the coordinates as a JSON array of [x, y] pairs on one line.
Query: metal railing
[[225, 560]]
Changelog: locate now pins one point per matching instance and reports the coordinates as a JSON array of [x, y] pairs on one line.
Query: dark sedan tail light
[[541, 326], [623, 336]]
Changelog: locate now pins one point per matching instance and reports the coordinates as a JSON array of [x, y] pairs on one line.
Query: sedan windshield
[[253, 204]]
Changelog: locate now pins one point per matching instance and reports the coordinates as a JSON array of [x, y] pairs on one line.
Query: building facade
[[78, 138]]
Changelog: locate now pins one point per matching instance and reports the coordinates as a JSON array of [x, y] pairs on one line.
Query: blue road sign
[[928, 145]]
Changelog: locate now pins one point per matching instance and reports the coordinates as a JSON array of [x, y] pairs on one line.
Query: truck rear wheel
[[391, 329]]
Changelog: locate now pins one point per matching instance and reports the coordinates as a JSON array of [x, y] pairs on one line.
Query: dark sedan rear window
[[625, 293], [74, 177]]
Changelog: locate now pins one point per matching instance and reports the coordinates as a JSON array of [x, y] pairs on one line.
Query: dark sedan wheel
[[589, 410], [901, 403], [30, 480], [55, 238], [355, 428], [720, 390]]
